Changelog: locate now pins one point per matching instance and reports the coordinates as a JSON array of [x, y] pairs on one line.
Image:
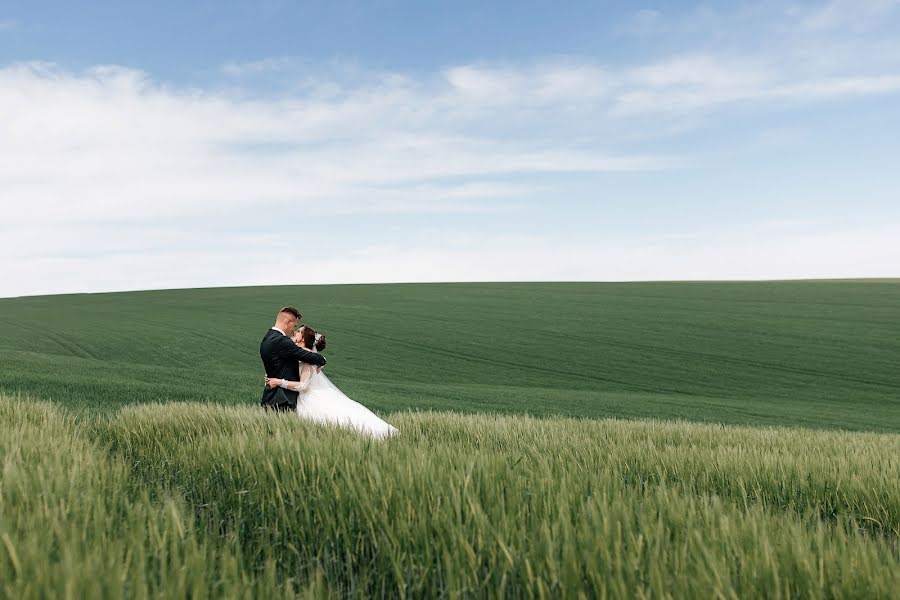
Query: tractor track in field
[[198, 333], [60, 339], [745, 302], [494, 360], [731, 360]]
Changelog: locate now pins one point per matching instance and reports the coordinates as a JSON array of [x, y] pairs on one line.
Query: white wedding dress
[[321, 401]]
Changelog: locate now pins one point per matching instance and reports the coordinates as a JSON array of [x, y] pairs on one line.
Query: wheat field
[[203, 500]]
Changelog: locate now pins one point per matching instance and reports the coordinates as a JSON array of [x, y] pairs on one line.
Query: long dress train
[[321, 401]]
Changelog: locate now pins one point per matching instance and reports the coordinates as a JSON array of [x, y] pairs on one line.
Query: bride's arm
[[295, 386]]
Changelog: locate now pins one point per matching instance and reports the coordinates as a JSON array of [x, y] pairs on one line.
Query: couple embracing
[[294, 380]]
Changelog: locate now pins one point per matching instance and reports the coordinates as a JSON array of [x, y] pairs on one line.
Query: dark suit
[[281, 358]]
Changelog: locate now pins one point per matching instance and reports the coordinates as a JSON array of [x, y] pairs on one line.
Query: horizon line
[[887, 279]]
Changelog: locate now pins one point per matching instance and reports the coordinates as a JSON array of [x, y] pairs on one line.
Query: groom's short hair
[[290, 310]]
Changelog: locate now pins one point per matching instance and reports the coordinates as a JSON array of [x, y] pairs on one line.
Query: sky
[[148, 145]]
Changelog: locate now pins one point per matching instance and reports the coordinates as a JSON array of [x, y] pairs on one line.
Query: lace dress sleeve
[[301, 386]]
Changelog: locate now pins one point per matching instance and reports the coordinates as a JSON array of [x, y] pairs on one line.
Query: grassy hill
[[817, 353]]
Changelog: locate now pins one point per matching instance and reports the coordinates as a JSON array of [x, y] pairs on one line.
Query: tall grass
[[74, 525], [511, 506], [190, 500]]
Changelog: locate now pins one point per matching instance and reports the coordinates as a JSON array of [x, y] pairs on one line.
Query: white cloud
[[769, 253], [700, 70], [724, 255], [692, 83], [8, 24], [855, 15], [111, 144], [256, 67], [540, 84], [643, 22]]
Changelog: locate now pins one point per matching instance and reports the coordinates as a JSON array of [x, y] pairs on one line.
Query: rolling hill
[[821, 354]]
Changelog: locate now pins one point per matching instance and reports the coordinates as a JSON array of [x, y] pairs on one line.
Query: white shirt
[[279, 331]]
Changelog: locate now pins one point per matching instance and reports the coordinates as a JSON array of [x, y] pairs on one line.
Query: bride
[[321, 401]]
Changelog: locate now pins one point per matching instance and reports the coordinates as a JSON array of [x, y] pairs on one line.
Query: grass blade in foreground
[[511, 505]]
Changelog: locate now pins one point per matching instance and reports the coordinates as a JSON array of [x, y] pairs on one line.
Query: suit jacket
[[282, 357]]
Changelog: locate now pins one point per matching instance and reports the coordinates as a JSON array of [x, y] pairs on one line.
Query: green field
[[135, 463], [819, 354]]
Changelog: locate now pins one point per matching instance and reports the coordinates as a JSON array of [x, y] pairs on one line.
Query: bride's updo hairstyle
[[311, 339]]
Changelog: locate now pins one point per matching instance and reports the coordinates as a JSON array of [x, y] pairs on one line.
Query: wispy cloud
[[687, 84], [538, 84], [645, 21], [7, 24], [275, 260], [855, 15], [869, 252], [111, 143], [275, 64]]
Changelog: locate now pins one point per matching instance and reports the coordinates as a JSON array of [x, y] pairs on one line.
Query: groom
[[282, 357]]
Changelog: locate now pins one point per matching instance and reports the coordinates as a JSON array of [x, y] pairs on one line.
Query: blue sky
[[148, 145]]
